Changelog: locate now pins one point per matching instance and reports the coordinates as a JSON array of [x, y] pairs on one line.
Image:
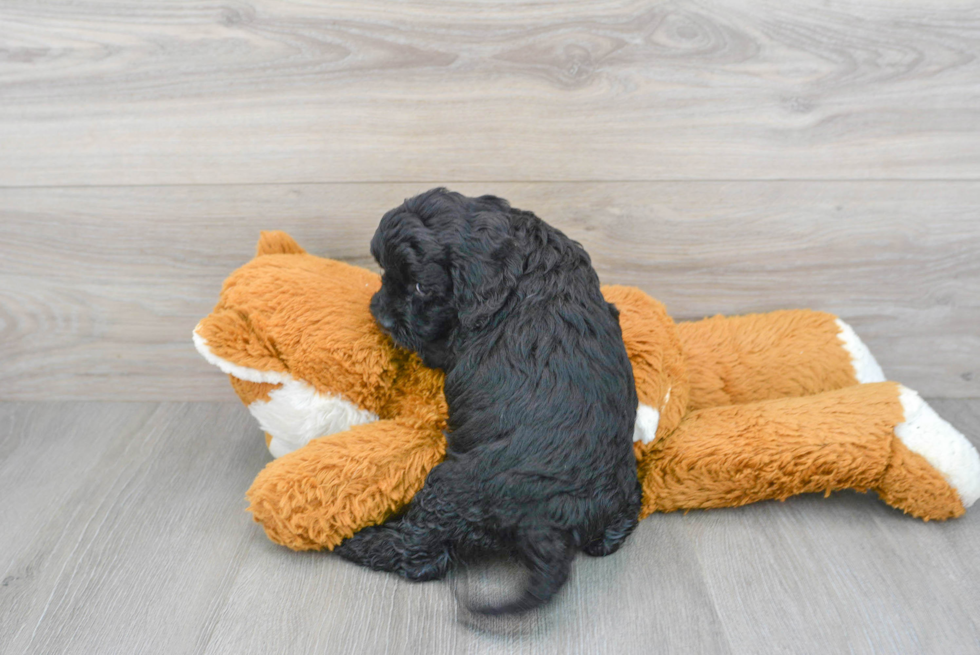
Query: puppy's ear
[[485, 265]]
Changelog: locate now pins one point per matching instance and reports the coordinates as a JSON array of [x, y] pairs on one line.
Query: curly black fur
[[541, 397]]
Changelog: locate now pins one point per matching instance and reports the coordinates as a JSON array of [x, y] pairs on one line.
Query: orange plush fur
[[733, 410]]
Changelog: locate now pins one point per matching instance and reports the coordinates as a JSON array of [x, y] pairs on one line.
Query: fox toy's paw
[[933, 471]]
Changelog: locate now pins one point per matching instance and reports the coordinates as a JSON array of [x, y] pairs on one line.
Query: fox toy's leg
[[741, 359], [317, 496], [878, 436]]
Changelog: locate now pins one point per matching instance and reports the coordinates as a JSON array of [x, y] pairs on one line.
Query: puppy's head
[[449, 262]]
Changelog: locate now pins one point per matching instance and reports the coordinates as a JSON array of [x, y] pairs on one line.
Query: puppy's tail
[[548, 553]]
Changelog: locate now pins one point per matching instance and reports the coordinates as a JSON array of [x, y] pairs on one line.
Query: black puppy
[[540, 391]]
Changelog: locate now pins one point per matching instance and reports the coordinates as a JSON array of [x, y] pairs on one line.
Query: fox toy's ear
[[229, 341], [275, 242]]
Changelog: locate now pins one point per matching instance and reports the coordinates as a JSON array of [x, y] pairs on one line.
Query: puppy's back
[[542, 405]]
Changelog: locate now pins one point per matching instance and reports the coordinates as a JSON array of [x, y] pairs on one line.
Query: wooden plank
[[155, 92], [844, 574], [315, 603], [45, 453], [101, 287], [125, 532]]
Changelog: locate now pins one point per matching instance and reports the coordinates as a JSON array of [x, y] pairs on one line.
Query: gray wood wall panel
[[122, 531], [98, 92], [100, 287]]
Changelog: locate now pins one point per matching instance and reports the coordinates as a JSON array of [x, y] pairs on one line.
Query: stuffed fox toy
[[732, 410]]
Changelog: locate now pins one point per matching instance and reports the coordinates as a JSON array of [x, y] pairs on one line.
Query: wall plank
[[102, 92], [101, 287]]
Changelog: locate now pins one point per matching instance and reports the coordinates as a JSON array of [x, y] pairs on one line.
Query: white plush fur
[[647, 420], [866, 368], [295, 412], [942, 445]]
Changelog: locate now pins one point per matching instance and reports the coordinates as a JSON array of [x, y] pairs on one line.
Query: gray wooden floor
[[726, 156], [124, 532]]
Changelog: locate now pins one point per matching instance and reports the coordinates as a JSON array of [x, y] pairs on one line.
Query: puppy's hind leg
[[397, 547], [416, 545], [616, 532], [613, 537]]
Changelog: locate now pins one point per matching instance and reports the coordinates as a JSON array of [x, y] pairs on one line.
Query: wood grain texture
[[100, 288], [123, 531], [726, 156], [110, 92], [123, 524]]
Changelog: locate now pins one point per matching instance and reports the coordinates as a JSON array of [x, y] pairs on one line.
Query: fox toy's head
[[295, 334]]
